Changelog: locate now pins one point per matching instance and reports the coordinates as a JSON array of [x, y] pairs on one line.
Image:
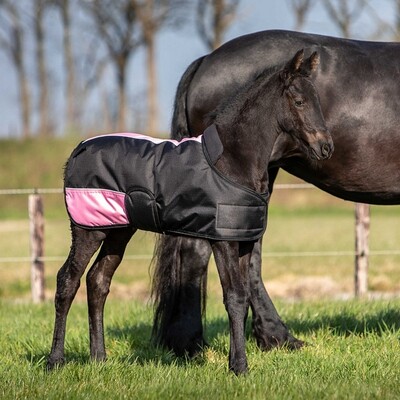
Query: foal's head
[[300, 114]]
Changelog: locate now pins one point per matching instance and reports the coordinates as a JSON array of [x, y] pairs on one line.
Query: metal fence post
[[362, 214], [36, 224]]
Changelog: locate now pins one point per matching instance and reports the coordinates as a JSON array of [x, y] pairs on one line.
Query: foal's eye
[[299, 103]]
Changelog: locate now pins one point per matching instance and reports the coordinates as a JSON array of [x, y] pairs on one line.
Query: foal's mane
[[246, 94], [244, 97]]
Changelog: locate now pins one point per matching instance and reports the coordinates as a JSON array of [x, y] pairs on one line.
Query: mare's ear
[[310, 64], [292, 68]]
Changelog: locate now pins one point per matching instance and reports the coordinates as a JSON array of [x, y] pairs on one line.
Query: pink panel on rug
[[96, 207]]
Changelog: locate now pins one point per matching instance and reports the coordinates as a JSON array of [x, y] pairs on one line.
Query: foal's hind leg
[[98, 282], [84, 244]]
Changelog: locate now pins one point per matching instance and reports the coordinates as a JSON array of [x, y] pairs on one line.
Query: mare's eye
[[299, 103]]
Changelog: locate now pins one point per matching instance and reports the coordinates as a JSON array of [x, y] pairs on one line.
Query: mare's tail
[[178, 304], [179, 125], [179, 293]]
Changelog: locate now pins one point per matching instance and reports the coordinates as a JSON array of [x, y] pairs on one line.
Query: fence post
[[362, 214], [36, 224]]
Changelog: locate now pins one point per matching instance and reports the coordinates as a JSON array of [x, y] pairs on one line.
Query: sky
[[177, 49]]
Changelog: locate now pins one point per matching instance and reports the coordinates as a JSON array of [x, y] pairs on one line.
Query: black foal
[[107, 202]]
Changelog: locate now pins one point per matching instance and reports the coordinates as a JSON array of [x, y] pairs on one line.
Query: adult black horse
[[359, 86]]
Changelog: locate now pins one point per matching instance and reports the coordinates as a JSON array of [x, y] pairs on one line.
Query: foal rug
[[162, 186]]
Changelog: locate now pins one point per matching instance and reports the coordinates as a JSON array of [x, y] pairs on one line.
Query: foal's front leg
[[233, 259]]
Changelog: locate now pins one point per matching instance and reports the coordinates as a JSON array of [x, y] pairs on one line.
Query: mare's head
[[300, 114]]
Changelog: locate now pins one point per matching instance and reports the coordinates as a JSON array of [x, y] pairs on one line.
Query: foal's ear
[[292, 68], [310, 64]]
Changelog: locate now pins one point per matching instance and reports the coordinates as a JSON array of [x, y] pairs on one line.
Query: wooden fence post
[[362, 214], [36, 223]]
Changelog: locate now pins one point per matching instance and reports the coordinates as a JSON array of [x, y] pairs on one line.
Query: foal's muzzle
[[322, 148]]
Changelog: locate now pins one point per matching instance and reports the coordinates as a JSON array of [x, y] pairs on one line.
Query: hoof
[[295, 344], [53, 364], [240, 369], [290, 343]]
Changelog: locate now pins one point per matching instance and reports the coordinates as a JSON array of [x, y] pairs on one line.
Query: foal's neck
[[248, 144]]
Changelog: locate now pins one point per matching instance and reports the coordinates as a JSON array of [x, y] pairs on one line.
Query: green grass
[[353, 353], [354, 345]]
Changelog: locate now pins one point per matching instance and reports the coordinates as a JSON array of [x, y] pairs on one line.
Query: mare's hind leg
[[268, 328], [98, 282], [84, 244]]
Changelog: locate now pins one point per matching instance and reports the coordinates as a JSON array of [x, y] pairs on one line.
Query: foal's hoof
[[54, 364], [240, 369]]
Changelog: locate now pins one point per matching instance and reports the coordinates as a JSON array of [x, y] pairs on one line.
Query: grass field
[[353, 350], [353, 353]]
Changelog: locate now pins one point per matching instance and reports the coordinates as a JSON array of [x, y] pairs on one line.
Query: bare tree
[[342, 15], [396, 33], [300, 8], [12, 41], [116, 25], [153, 15], [69, 65], [43, 86], [213, 19]]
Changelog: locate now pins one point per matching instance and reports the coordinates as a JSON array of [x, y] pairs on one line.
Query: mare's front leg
[[233, 259], [268, 328], [98, 281], [84, 244]]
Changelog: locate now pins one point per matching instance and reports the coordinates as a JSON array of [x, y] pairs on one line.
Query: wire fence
[[37, 258]]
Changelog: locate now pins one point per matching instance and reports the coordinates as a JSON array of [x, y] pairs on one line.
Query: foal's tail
[[175, 326], [179, 124]]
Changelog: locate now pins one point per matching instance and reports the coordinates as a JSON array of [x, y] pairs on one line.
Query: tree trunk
[[152, 108], [71, 115], [42, 74], [121, 119], [17, 55], [24, 100]]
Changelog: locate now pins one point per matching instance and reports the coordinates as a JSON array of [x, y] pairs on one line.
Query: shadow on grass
[[345, 323], [142, 350]]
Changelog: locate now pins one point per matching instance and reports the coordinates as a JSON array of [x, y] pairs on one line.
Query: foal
[[244, 136]]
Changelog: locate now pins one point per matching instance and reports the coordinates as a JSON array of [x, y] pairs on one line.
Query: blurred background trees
[[96, 41]]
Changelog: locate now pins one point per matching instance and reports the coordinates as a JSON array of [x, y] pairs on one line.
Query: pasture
[[353, 352], [354, 348]]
